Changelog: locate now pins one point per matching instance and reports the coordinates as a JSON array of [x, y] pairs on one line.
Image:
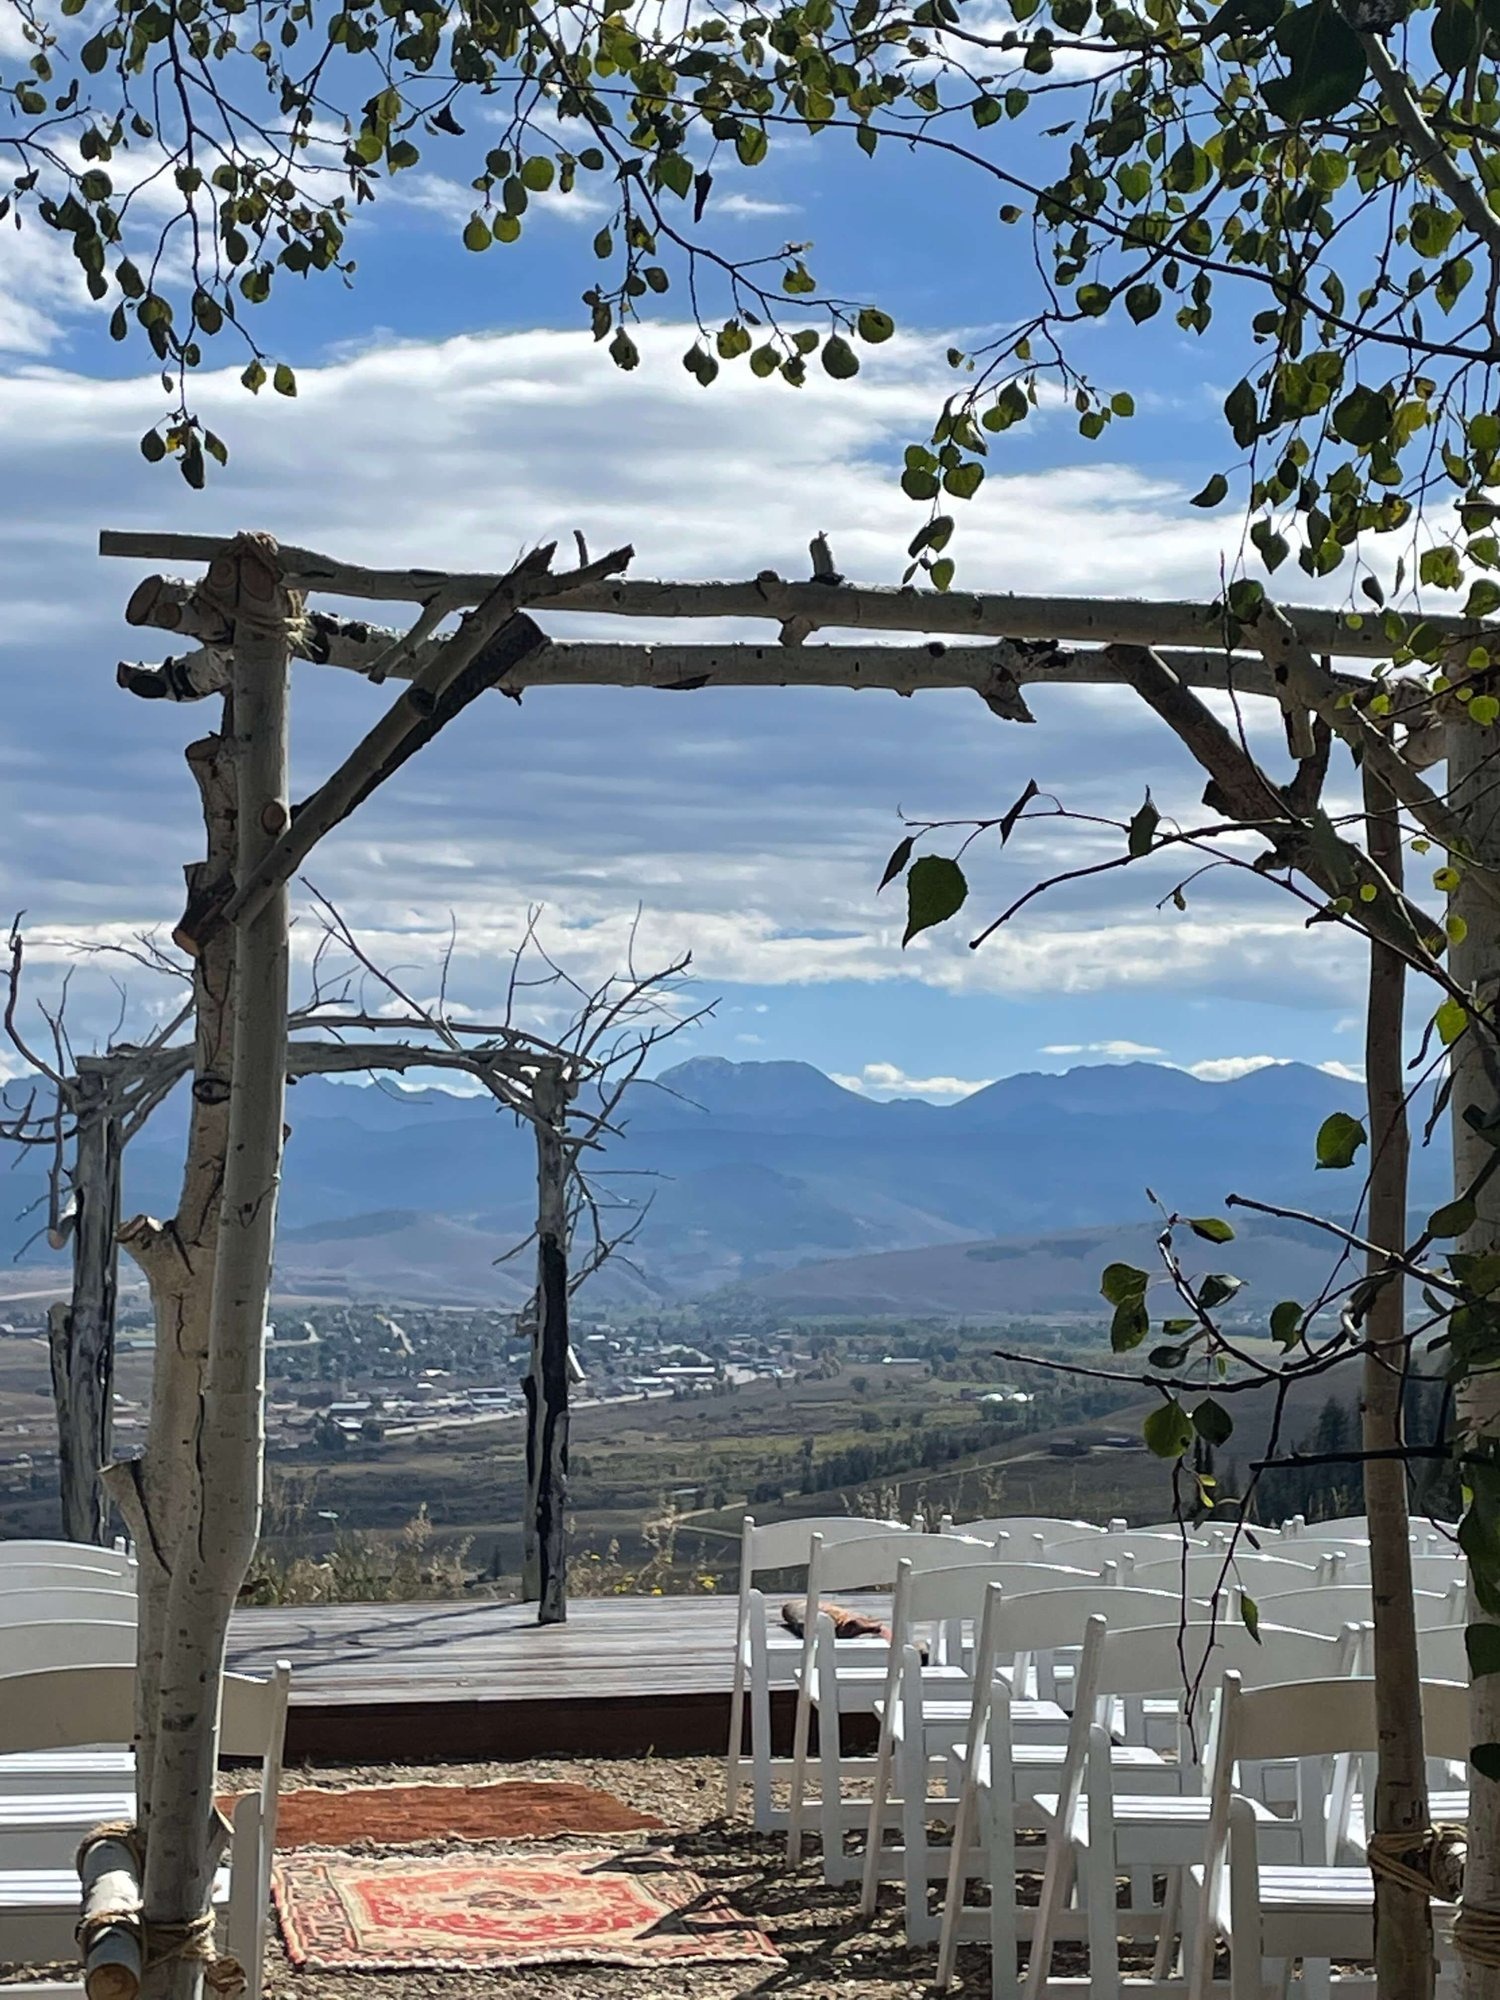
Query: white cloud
[[751, 824], [1229, 1069], [1347, 1072], [1120, 1050], [883, 1079], [752, 205]]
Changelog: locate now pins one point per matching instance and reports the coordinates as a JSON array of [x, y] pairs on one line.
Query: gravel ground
[[830, 1950]]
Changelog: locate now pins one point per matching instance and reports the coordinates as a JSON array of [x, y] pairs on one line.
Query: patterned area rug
[[398, 1815], [469, 1912]]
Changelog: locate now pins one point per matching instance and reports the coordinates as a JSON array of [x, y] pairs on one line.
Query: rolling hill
[[774, 1175]]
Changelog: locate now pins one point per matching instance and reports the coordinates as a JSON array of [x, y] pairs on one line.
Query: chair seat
[[1149, 1808], [1035, 1722], [1035, 1763], [66, 1770], [40, 1830]]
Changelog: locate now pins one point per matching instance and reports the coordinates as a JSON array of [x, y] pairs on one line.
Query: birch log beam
[[547, 1397], [826, 605], [1474, 963], [1308, 844], [82, 1333]]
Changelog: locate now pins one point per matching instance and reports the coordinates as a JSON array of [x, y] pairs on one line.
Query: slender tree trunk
[[82, 1332], [210, 1563], [547, 1384], [1404, 1963], [1474, 963]]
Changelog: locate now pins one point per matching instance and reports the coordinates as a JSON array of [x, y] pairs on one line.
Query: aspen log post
[[547, 1380], [1474, 963], [81, 1333], [1404, 1961], [109, 1930], [209, 1562]]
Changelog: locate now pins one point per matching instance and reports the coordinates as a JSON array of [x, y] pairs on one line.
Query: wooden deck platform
[[420, 1682]]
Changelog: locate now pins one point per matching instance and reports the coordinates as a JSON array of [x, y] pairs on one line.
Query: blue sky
[[452, 411]]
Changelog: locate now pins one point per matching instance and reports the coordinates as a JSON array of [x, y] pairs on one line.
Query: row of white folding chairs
[[51, 1724], [1096, 1832], [911, 1716]]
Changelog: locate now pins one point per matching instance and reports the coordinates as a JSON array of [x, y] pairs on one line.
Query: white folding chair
[[1129, 1547], [1273, 1915], [975, 1740], [17, 1576], [779, 1545], [65, 1642], [836, 1686], [1095, 1834], [1330, 1609], [1024, 1531], [70, 1707]]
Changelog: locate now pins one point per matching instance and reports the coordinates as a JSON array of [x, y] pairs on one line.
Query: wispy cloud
[[1120, 1051], [885, 1080]]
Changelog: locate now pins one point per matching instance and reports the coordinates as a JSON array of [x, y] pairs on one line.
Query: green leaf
[[1168, 1431], [1167, 1359], [1363, 417], [1217, 1289], [936, 889], [839, 358], [1286, 1322], [1211, 1228], [254, 378], [623, 351], [964, 481], [153, 450], [1130, 1325], [1013, 813], [1143, 830], [1485, 1757], [750, 144], [1450, 1020], [1213, 492], [1142, 302], [283, 381], [1326, 64], [477, 233], [1339, 1139], [899, 858], [1212, 1422], [1242, 413], [875, 325], [1250, 1615], [537, 173], [1453, 1218], [1482, 1644], [1120, 1282], [942, 573]]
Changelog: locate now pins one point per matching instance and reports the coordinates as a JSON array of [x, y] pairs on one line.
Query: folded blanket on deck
[[846, 1624]]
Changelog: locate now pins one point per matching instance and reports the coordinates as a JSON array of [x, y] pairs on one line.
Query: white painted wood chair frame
[[835, 1686], [1088, 1844], [779, 1545], [74, 1707], [1009, 1628], [1274, 1916]]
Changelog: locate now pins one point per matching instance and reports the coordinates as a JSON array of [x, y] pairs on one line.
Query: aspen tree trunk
[[1404, 1963], [158, 1493], [1474, 963], [209, 1565], [547, 1379], [82, 1332]]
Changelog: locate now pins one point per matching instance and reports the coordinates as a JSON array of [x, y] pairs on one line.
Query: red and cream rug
[[475, 1911]]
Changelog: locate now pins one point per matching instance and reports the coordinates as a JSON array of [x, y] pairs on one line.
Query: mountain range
[[771, 1174]]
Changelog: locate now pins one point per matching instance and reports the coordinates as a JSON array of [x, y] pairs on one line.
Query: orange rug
[[397, 1815], [477, 1912]]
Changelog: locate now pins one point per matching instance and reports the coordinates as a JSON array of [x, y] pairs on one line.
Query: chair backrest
[[59, 1642], [1024, 1527], [48, 1602], [1212, 1569], [785, 1544], [1334, 1606], [1331, 1718], [1166, 1659], [63, 1576], [1113, 1547], [1441, 1653], [65, 1555], [959, 1591], [871, 1562], [66, 1707]]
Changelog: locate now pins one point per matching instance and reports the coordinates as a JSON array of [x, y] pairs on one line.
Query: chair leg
[[1000, 1842], [1171, 1920], [760, 1729], [800, 1733], [1057, 1880], [736, 1730], [921, 1928], [964, 1828]]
